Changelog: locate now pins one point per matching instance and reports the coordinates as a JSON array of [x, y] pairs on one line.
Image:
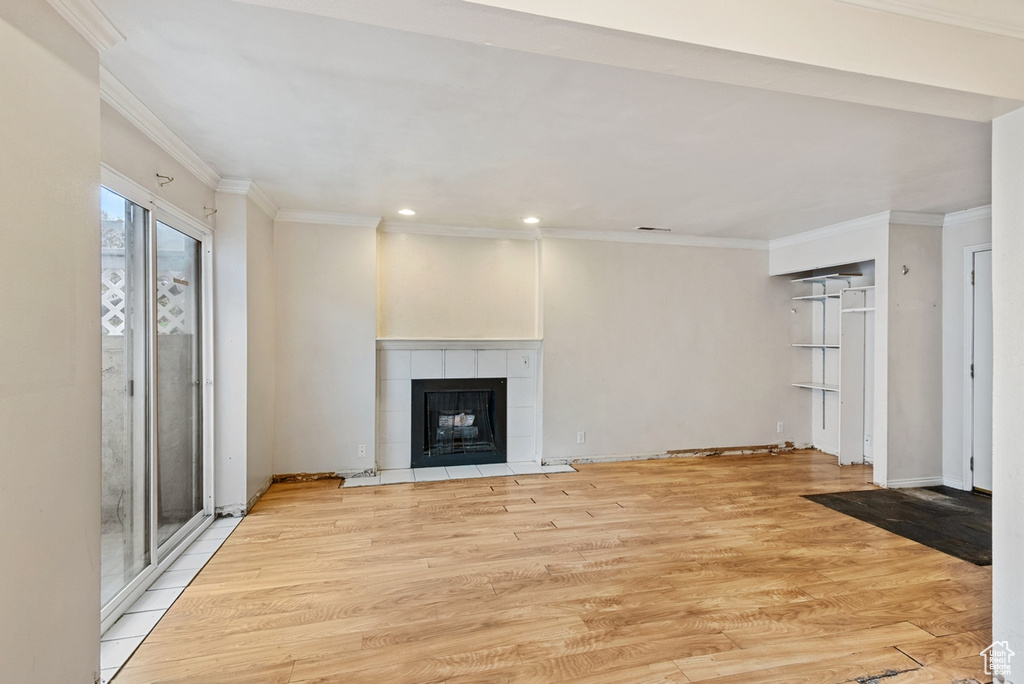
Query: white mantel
[[400, 361]]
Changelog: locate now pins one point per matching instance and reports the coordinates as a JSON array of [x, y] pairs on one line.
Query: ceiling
[[352, 117]]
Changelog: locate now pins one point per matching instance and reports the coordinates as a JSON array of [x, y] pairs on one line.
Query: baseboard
[[954, 483], [676, 453], [256, 497], [914, 482]]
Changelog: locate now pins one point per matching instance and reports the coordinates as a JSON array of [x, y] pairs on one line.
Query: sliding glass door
[[179, 395], [125, 531], [155, 485]]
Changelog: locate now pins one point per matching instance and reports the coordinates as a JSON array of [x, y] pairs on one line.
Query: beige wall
[[50, 343], [1008, 381], [325, 354], [649, 348], [260, 344], [438, 287]]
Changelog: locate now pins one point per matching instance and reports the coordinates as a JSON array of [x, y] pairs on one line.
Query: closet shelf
[[859, 309], [817, 386], [818, 297], [823, 278]]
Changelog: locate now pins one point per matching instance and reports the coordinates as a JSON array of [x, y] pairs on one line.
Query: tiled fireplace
[[399, 362]]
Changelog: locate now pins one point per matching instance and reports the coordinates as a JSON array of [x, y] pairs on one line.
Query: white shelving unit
[[840, 355], [857, 337], [826, 291]]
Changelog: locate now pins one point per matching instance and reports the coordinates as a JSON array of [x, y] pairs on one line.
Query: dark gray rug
[[949, 520]]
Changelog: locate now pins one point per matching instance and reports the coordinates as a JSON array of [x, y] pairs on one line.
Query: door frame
[[161, 210], [968, 346]]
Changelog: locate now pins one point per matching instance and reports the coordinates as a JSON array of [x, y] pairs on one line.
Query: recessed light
[[406, 212], [531, 219]]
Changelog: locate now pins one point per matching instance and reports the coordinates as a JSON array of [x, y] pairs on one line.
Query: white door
[[981, 370]]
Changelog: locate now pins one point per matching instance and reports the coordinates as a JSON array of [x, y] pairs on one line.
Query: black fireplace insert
[[458, 422]]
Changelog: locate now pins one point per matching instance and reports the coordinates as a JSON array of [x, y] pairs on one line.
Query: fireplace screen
[[458, 422]]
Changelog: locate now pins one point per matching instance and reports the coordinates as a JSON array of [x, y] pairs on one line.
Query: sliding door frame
[[163, 555]]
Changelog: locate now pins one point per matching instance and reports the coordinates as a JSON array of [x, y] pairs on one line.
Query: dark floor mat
[[949, 520]]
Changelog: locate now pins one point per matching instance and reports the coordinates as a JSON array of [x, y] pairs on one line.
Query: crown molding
[[881, 219], [655, 238], [871, 221], [327, 218], [262, 200], [915, 218], [413, 228], [117, 95], [89, 20], [919, 10], [968, 215], [252, 190], [235, 186]]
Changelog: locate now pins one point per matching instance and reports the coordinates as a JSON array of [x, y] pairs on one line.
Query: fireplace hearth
[[458, 422]]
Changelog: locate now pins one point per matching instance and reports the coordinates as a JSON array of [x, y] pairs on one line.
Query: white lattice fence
[[172, 314], [112, 315], [172, 302]]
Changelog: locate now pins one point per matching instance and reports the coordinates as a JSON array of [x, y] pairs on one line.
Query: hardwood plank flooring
[[677, 570]]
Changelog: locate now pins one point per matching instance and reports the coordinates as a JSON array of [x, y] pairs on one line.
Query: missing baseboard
[[305, 477], [783, 448]]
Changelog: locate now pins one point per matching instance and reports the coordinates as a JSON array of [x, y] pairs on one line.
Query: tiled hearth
[[399, 362]]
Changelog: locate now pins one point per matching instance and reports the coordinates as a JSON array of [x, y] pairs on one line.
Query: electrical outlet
[[581, 437], [778, 428], [524, 361], [362, 451]]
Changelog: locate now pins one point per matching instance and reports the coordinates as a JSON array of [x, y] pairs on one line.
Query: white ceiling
[[334, 115]]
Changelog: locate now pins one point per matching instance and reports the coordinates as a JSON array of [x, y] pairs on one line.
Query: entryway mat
[[949, 520]]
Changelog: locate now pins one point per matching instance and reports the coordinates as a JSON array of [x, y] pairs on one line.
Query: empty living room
[[457, 341]]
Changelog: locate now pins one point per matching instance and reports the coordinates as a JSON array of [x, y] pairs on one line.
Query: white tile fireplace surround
[[399, 362]]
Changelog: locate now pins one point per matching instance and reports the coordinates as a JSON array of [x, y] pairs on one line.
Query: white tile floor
[[125, 635], [463, 472]]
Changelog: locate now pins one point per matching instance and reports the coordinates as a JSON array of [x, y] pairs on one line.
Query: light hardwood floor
[[682, 570]]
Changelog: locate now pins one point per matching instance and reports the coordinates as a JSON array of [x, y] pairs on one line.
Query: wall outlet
[[524, 361], [362, 451], [779, 426], [581, 437]]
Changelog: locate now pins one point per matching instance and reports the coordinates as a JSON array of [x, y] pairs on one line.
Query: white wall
[[231, 353], [960, 231], [325, 354], [131, 153], [49, 349], [915, 356], [435, 287], [1008, 381], [260, 350], [650, 348]]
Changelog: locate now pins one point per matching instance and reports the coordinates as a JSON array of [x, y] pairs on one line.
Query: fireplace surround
[[401, 361]]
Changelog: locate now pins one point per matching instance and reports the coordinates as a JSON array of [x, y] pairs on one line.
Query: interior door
[[981, 370]]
